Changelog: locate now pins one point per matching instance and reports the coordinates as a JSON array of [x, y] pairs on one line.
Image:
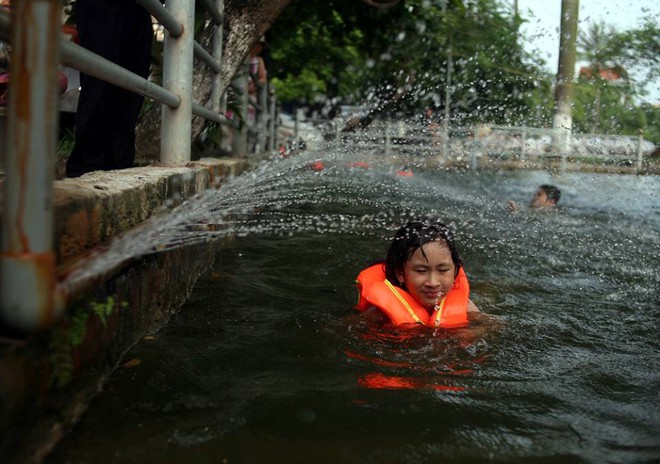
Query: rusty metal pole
[[27, 259]]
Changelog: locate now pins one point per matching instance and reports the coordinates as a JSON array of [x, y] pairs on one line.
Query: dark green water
[[268, 362]]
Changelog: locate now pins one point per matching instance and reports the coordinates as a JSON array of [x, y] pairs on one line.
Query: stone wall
[[47, 379]]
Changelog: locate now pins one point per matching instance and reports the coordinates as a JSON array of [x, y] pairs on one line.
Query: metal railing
[[477, 144], [29, 297]]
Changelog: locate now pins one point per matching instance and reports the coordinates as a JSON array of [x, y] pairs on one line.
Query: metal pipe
[[164, 17], [92, 64], [261, 117], [177, 78], [217, 103], [83, 60], [206, 58], [640, 151], [215, 12], [474, 152], [207, 113], [27, 259], [239, 139], [388, 129], [272, 126], [218, 99]]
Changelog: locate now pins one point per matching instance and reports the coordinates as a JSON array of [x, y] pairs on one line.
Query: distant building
[[609, 74]]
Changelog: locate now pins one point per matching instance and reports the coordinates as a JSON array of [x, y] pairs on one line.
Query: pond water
[[268, 362]]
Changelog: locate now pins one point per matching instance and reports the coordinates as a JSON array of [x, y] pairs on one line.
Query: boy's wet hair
[[552, 192], [412, 236]]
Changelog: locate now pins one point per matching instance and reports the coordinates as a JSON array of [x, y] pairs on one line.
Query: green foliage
[[103, 309], [78, 326], [65, 144], [609, 106], [70, 334], [609, 109], [640, 48], [398, 58], [315, 50], [61, 353]]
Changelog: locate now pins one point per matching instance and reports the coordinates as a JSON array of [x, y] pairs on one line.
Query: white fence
[[494, 143]]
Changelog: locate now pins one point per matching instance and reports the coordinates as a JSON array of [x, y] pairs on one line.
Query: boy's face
[[540, 200], [429, 276]]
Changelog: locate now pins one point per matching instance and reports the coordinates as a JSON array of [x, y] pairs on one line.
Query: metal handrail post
[[272, 126], [296, 140], [216, 97], [640, 152], [474, 152], [177, 78], [388, 129], [27, 260], [565, 147], [239, 139], [262, 117]]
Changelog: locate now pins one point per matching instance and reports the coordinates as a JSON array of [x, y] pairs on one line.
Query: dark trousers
[[119, 30]]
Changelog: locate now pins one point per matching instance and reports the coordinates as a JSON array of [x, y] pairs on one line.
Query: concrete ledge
[[91, 209], [47, 379]]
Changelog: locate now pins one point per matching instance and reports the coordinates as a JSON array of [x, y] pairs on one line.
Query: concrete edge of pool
[[47, 379]]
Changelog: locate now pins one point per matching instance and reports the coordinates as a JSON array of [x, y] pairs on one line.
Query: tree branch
[[376, 4]]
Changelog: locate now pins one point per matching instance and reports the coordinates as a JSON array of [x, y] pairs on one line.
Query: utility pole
[[563, 118]]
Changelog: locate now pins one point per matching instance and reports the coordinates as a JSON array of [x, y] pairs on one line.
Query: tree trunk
[[245, 22]]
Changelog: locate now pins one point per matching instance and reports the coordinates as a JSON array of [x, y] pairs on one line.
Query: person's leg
[[106, 117], [135, 42], [95, 22]]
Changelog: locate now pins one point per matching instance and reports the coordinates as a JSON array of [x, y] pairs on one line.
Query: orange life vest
[[402, 308]]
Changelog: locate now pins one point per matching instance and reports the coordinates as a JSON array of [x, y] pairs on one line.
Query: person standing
[[120, 31], [257, 74]]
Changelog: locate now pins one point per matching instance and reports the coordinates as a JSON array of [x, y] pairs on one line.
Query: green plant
[[65, 144], [70, 334], [103, 309]]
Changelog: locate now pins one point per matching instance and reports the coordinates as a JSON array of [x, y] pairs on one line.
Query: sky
[[542, 30]]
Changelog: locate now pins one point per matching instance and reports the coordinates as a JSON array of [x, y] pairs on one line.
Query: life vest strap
[[403, 302]]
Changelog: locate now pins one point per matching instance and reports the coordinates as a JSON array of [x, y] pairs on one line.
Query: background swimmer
[[545, 197]]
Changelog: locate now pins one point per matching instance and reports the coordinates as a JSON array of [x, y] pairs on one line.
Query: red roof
[[609, 74]]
